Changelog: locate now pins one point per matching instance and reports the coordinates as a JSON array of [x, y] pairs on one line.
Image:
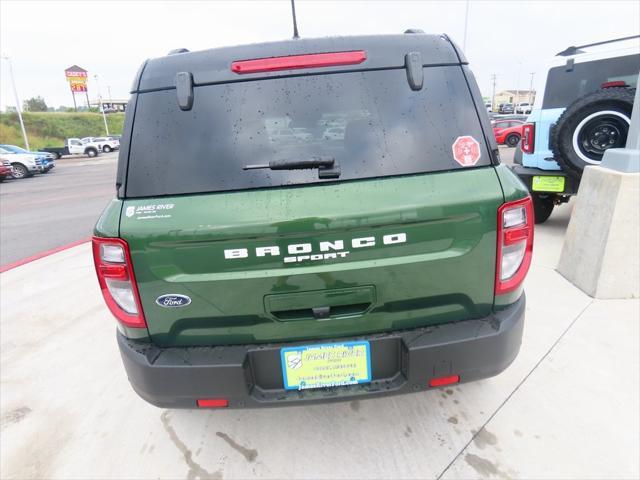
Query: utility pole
[[466, 18], [18, 109], [493, 94], [104, 116], [295, 22], [531, 88], [515, 102]]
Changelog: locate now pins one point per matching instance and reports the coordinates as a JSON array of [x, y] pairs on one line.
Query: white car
[[24, 164], [524, 108], [106, 144]]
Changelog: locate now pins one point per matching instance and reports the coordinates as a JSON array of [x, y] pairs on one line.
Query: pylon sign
[[77, 78]]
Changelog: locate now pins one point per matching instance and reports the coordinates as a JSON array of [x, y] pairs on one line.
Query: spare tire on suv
[[590, 126]]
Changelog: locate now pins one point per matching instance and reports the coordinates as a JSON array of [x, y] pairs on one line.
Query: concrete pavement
[[566, 408]]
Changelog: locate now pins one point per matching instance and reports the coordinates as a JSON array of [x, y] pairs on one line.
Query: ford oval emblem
[[173, 301]]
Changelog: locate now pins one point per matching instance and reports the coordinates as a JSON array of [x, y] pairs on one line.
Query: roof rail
[[576, 50], [178, 50]]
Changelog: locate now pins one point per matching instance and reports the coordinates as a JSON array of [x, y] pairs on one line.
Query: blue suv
[[584, 109]]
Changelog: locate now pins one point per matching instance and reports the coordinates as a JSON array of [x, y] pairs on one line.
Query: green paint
[[443, 272]]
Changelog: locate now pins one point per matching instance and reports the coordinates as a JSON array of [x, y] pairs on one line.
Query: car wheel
[[92, 152], [19, 171], [512, 140], [58, 155], [106, 149], [590, 126], [542, 207]]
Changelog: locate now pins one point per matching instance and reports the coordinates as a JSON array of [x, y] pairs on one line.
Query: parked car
[[584, 109], [488, 106], [6, 170], [74, 146], [23, 164], [506, 108], [107, 144], [379, 273], [302, 134], [524, 108], [283, 135], [507, 132], [48, 159], [334, 133], [47, 164]]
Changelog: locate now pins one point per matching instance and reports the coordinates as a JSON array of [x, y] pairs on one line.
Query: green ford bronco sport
[[312, 220]]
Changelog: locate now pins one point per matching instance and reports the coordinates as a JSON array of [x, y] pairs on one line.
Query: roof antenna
[[295, 24]]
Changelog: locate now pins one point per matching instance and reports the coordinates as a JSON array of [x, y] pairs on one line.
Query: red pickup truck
[[508, 132]]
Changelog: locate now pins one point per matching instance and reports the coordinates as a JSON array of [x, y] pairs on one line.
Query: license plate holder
[[326, 365], [548, 183]]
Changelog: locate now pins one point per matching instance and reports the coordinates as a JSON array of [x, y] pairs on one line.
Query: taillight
[[117, 281], [528, 137], [515, 244], [291, 62], [614, 84]]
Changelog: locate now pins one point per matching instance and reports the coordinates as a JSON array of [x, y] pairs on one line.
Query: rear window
[[371, 123], [563, 87]]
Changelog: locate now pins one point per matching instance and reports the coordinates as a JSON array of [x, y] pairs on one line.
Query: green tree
[[34, 104]]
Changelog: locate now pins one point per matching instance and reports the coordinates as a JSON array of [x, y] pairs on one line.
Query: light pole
[[466, 18], [18, 109], [493, 93], [515, 103], [104, 116], [531, 87]]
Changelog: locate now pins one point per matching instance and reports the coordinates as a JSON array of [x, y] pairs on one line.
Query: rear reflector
[[442, 381], [292, 62], [515, 244], [118, 284], [212, 403]]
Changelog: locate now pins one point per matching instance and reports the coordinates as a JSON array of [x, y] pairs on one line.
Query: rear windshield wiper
[[327, 166]]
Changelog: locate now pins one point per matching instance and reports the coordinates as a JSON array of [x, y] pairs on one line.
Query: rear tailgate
[[437, 265], [405, 237]]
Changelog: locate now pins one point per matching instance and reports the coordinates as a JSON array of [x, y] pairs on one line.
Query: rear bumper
[[250, 376], [526, 174]]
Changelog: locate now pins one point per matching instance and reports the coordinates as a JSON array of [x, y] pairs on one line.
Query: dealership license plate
[[326, 365], [546, 183]]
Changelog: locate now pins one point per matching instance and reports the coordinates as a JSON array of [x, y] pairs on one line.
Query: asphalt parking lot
[[566, 408], [48, 211]]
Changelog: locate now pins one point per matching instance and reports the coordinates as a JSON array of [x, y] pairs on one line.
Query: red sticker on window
[[466, 151]]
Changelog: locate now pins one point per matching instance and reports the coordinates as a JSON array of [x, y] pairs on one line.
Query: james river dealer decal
[[147, 212]]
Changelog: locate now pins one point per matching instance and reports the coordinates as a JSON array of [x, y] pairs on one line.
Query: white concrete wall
[[601, 252]]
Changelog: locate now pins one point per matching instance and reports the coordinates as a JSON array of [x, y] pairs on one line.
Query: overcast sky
[[112, 38]]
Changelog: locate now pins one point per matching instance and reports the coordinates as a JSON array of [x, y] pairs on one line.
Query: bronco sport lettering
[[337, 246]]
